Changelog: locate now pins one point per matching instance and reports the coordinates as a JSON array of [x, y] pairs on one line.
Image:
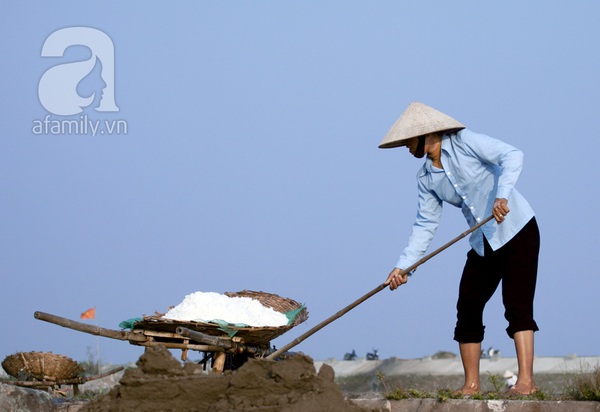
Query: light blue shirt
[[477, 170]]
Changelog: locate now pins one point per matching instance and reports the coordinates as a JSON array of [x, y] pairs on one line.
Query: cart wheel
[[234, 361]]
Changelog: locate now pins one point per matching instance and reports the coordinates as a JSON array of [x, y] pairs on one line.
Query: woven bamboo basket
[[43, 366], [260, 336]]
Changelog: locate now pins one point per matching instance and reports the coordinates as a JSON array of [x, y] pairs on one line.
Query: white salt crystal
[[207, 306]]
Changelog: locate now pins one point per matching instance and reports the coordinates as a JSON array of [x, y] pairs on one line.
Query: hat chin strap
[[420, 152]]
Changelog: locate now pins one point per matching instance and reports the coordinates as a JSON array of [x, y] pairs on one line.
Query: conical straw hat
[[418, 120]]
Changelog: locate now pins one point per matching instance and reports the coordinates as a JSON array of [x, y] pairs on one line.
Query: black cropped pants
[[515, 264]]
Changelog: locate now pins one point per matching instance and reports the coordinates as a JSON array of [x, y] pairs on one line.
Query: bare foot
[[468, 390], [521, 389]]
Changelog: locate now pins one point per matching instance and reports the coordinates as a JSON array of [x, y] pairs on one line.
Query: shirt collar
[[446, 141]]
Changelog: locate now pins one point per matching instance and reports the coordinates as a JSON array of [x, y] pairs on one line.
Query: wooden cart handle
[[91, 329]]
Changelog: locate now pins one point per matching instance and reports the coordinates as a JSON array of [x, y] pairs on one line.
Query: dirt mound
[[162, 383]]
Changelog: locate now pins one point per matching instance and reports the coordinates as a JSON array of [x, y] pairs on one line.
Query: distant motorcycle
[[350, 356], [373, 356]]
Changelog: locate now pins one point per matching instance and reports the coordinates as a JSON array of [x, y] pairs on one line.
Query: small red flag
[[89, 314]]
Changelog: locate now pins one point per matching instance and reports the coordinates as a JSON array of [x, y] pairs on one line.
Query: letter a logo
[[57, 89]]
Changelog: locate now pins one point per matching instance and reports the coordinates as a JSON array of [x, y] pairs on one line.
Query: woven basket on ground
[[260, 336], [43, 366]]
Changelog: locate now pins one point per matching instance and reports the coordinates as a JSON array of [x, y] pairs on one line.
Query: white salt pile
[[209, 306]]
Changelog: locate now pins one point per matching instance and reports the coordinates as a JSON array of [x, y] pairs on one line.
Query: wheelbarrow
[[224, 347]]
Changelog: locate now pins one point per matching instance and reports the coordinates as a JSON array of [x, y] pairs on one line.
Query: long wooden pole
[[378, 289]]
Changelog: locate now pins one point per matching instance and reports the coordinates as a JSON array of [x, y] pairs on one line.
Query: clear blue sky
[[251, 162]]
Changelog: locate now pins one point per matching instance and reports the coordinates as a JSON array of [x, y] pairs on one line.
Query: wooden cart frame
[[218, 344]]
